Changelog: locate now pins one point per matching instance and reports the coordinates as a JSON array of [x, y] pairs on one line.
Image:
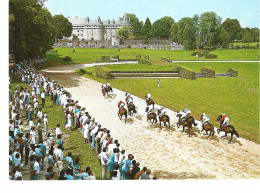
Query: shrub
[[103, 72], [67, 59], [185, 72], [237, 47], [231, 72], [115, 57], [143, 61], [105, 58], [146, 57], [208, 72], [138, 56], [83, 71], [207, 55]]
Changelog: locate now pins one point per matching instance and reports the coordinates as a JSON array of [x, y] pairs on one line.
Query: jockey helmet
[[223, 114]]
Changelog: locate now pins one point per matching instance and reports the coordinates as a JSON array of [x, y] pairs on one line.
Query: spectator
[[104, 163], [145, 175]]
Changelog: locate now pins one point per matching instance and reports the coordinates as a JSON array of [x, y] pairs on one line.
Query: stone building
[[87, 29]]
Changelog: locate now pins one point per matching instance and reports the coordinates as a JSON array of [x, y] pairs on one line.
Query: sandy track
[[168, 153]]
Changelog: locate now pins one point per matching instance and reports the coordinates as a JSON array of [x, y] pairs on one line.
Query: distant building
[[87, 29]]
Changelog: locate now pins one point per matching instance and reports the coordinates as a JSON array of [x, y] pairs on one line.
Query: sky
[[246, 11]]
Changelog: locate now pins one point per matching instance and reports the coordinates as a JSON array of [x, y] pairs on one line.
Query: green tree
[[161, 27], [62, 26], [255, 34], [223, 38], [174, 33], [232, 26], [147, 29], [136, 25], [125, 32], [208, 30], [247, 37], [30, 29]]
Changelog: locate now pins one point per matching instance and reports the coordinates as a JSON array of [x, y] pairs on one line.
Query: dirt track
[[169, 154]]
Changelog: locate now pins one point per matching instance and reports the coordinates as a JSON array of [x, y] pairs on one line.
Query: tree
[[208, 30], [247, 37], [147, 29], [174, 33], [224, 38], [30, 29], [161, 27], [125, 32], [232, 26], [136, 25], [62, 26], [255, 34]]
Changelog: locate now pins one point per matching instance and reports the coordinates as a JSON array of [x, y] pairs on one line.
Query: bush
[[83, 71], [146, 57], [208, 72], [167, 60], [185, 72], [237, 47], [207, 55], [105, 58], [138, 56], [146, 42], [103, 72], [232, 73], [143, 61], [67, 59], [115, 57]]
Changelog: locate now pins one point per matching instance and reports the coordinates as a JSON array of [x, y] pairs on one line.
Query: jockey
[[127, 93], [185, 114], [121, 104], [148, 97], [224, 120], [107, 85], [163, 112], [205, 119]]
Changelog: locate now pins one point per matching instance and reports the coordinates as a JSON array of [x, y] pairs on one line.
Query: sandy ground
[[170, 154]]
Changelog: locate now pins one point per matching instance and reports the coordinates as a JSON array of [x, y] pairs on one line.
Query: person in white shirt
[[18, 175], [39, 114], [45, 122], [93, 135], [36, 108], [104, 163], [21, 105], [58, 131], [43, 98], [111, 146]]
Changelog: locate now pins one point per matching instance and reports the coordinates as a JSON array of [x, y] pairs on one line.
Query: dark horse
[[227, 129], [149, 102], [151, 116], [106, 91], [122, 112], [164, 118], [208, 127], [186, 122], [130, 106]]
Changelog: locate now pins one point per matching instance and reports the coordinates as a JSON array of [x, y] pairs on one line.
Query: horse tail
[[195, 124], [236, 133]]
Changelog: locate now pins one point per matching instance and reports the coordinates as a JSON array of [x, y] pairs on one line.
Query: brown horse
[[208, 127], [122, 112], [106, 91], [186, 122], [164, 118], [149, 102], [227, 129], [151, 116]]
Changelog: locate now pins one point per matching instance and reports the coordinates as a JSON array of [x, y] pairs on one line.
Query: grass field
[[73, 141], [237, 97], [90, 55]]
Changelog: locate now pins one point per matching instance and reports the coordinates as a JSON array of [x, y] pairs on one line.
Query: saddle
[[163, 113]]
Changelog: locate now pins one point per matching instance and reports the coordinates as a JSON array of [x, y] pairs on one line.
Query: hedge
[[146, 57], [185, 72], [204, 54], [67, 59], [138, 56], [232, 73], [167, 60], [103, 72], [105, 58], [208, 72], [143, 61], [115, 57]]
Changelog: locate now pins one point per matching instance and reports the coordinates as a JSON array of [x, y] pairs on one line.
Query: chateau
[[87, 29]]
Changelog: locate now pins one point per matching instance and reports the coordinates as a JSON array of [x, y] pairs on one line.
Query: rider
[[121, 104], [205, 119], [224, 120], [148, 97], [127, 93], [163, 112], [107, 85], [185, 114]]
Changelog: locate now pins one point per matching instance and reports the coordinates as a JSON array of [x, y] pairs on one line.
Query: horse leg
[[231, 138], [213, 132]]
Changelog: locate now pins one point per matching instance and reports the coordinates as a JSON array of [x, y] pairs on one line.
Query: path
[[168, 153]]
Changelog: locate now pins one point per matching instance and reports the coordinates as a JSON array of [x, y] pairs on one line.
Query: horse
[[188, 122], [208, 127], [122, 112], [151, 116], [227, 129], [164, 118], [106, 91], [131, 109], [149, 102]]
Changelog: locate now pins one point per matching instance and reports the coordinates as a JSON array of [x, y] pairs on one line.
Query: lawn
[[73, 141], [90, 55], [237, 97], [245, 44]]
